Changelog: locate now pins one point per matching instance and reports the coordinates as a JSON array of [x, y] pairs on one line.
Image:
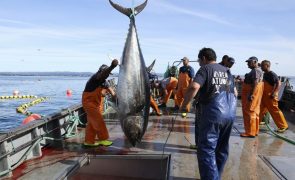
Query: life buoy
[[69, 92], [31, 118], [15, 93]]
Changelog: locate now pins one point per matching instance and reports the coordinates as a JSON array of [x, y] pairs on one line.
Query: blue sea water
[[54, 87], [292, 82]]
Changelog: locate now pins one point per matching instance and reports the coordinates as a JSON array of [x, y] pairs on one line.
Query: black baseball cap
[[104, 67]]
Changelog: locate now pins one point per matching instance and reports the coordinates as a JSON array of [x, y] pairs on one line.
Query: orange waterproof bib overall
[[170, 87], [183, 83], [251, 109], [271, 105], [93, 106], [154, 105]]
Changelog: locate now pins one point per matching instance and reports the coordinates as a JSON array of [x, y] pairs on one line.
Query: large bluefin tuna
[[133, 89]]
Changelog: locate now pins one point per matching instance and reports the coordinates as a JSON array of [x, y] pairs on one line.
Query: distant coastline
[[79, 74], [72, 74], [66, 73]]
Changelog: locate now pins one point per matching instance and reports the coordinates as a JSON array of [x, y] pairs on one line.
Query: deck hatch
[[125, 167]]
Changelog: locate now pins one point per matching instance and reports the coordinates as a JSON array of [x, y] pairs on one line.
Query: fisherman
[[169, 86], [153, 78], [252, 91], [92, 100], [238, 79], [185, 77], [214, 82], [155, 107], [269, 100], [229, 62], [226, 61]]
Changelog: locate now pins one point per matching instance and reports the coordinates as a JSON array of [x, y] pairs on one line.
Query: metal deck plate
[[282, 166]]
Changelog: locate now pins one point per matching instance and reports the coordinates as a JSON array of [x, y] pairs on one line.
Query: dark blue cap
[[252, 58], [231, 60]]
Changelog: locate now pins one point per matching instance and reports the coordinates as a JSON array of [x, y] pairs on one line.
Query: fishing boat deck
[[264, 157]]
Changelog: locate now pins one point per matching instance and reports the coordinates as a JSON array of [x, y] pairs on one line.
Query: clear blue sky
[[78, 35]]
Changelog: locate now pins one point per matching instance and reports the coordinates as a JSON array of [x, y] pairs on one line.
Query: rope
[[23, 108], [133, 10], [19, 97], [75, 120]]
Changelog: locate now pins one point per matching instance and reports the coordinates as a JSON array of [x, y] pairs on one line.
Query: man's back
[[213, 79]]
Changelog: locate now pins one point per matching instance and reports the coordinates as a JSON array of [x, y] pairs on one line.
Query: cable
[[163, 151], [279, 136], [173, 122], [191, 146], [266, 119]]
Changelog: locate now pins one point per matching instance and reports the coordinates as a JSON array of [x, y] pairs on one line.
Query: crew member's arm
[[194, 87], [276, 88], [111, 91], [165, 92], [192, 73], [190, 94], [105, 74], [235, 91], [254, 85]]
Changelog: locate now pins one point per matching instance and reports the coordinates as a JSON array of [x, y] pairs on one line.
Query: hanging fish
[[133, 84]]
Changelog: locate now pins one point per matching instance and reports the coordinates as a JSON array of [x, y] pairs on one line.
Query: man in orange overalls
[[155, 107], [153, 78], [185, 77], [252, 91], [169, 85], [269, 100], [92, 101]]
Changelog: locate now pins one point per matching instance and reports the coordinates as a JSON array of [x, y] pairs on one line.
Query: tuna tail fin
[[128, 11]]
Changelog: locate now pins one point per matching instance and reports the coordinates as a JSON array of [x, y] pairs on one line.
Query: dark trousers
[[198, 108]]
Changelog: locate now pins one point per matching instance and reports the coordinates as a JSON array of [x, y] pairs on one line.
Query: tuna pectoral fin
[[128, 11]]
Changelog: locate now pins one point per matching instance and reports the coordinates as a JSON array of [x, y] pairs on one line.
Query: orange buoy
[[15, 93], [69, 92], [30, 118]]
